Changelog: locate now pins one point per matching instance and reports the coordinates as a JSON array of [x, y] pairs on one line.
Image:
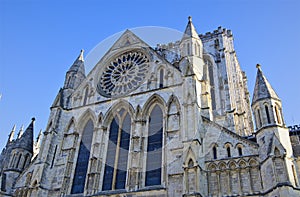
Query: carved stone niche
[[173, 122]]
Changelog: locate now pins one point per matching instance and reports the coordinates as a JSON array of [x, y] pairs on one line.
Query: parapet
[[216, 33]]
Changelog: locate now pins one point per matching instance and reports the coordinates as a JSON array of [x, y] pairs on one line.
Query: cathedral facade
[[174, 120]]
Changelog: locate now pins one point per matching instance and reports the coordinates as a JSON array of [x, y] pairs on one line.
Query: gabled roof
[[263, 89], [190, 31]]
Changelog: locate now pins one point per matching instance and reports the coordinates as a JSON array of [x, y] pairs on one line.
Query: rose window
[[123, 74]]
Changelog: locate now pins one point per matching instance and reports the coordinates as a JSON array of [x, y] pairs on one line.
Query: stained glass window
[[123, 74], [117, 152], [83, 159], [154, 147]]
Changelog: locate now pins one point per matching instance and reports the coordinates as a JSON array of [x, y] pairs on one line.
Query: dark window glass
[[215, 152], [3, 182], [118, 146], [259, 118], [240, 151], [154, 148], [83, 159], [268, 115], [161, 78], [228, 152], [110, 157]]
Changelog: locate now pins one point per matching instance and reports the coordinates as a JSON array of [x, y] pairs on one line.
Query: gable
[[129, 67], [222, 138]]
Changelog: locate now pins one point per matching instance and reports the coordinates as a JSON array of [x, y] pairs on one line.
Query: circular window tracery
[[123, 74]]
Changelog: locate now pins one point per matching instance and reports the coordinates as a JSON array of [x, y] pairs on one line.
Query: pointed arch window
[[154, 147], [188, 49], [161, 78], [211, 83], [228, 151], [240, 150], [18, 161], [259, 119], [3, 182], [277, 115], [86, 92], [83, 159], [26, 160], [12, 162], [215, 152], [117, 152], [268, 114]]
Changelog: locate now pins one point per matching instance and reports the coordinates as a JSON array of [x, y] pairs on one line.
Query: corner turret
[[16, 157], [191, 44], [275, 147], [266, 105]]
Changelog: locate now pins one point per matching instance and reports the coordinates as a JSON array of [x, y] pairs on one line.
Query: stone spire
[[190, 30], [263, 89], [191, 45], [76, 73], [26, 140], [78, 65]]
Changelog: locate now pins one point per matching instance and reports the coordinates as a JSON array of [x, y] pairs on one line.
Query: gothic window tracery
[[154, 147], [123, 74], [83, 159], [117, 152]]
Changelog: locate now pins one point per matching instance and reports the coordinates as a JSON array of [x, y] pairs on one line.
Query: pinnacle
[[81, 55], [190, 30], [262, 89], [20, 132], [258, 66]]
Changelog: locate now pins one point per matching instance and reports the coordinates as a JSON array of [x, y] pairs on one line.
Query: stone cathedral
[[172, 120]]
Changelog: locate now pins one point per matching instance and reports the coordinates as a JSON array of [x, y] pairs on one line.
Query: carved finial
[[33, 119], [190, 19], [81, 55], [258, 66]]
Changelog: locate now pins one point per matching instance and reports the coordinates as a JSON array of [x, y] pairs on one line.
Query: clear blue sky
[[39, 40]]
